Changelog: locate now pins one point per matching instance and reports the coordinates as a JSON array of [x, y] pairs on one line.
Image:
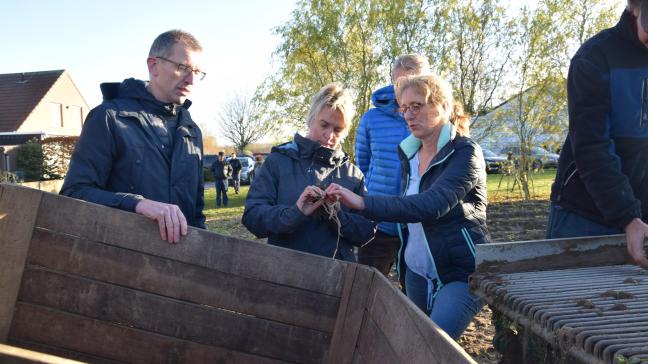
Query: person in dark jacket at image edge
[[140, 150], [601, 185]]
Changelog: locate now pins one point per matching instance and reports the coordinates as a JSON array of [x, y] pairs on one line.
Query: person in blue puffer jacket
[[379, 132], [443, 207]]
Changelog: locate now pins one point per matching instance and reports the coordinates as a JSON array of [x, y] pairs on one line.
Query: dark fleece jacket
[[603, 167]]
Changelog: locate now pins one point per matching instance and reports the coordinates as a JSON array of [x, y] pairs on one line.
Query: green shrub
[[29, 160]]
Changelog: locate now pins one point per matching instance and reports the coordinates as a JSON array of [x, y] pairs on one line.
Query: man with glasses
[[140, 150]]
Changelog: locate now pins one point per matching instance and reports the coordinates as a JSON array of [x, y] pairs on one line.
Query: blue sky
[[109, 41]]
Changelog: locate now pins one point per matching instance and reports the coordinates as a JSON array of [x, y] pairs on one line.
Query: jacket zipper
[[571, 175], [469, 241]]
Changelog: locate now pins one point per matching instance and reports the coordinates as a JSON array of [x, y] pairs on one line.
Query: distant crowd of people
[[416, 192]]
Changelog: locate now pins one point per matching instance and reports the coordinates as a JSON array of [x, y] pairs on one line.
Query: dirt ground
[[507, 221]]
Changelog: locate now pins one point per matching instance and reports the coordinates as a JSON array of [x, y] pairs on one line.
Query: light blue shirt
[[417, 254]]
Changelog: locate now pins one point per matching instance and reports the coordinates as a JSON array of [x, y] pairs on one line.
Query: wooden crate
[[91, 283]]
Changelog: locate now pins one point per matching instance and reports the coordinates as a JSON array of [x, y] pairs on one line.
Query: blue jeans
[[453, 308], [221, 189], [566, 224]]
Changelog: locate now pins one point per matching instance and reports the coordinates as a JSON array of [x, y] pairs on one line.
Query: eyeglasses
[[185, 70], [414, 107]]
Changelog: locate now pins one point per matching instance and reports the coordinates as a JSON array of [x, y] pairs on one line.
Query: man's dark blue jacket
[[119, 158], [603, 166]]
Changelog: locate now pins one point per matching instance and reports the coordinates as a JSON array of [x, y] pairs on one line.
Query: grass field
[[504, 188], [227, 220]]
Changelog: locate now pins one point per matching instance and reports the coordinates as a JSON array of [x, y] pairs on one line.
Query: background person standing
[[221, 170], [236, 165]]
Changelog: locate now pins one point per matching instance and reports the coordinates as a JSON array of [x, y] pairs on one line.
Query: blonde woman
[[285, 201], [442, 210]]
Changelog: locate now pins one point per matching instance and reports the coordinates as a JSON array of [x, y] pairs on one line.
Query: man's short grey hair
[[335, 96], [411, 62], [163, 44]]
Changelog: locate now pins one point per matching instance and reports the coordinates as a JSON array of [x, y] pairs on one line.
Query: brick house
[[37, 105]]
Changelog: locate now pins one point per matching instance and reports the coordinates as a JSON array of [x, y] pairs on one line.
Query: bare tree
[[478, 57], [241, 121]]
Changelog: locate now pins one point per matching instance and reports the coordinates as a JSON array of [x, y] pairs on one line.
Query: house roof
[[20, 93], [19, 138]]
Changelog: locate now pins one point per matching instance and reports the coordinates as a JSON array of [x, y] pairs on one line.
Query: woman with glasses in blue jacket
[[442, 211]]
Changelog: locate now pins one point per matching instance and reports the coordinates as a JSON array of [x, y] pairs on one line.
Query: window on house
[[76, 116], [56, 115]]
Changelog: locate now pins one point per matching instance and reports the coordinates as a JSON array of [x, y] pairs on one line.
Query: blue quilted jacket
[[380, 131]]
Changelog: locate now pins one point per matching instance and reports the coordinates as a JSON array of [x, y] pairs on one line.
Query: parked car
[[538, 157], [247, 164], [494, 163]]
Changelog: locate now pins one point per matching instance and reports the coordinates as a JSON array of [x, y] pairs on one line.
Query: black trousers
[[381, 252]]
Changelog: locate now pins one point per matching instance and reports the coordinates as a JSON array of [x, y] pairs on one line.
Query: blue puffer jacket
[[270, 209], [119, 159], [379, 132], [451, 205]]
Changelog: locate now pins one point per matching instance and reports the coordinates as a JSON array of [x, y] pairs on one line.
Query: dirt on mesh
[[507, 221]]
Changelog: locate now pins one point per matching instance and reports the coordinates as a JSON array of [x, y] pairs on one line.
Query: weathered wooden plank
[[373, 345], [18, 210], [115, 342], [357, 282], [183, 281], [358, 359], [222, 253], [551, 254], [408, 332], [170, 317], [62, 353], [14, 355]]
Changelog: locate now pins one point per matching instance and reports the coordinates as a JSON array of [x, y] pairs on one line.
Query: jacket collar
[[385, 100], [136, 89], [412, 144], [627, 26], [304, 148]]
